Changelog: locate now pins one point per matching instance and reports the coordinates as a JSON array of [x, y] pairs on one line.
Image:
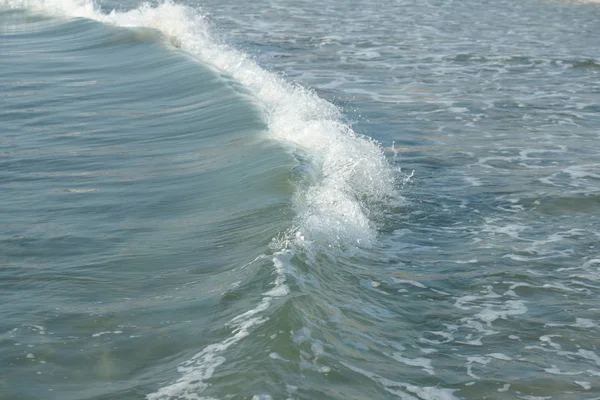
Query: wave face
[[339, 177]]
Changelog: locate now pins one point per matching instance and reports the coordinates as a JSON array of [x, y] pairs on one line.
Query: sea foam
[[351, 172]]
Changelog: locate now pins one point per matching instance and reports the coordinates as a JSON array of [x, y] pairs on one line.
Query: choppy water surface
[[299, 200]]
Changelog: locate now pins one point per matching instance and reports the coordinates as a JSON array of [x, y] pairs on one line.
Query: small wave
[[334, 203], [586, 1], [521, 60], [587, 63]]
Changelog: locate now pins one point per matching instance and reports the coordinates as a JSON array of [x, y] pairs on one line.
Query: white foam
[[579, 174], [589, 355], [106, 333], [280, 289], [583, 171], [500, 356], [410, 282], [554, 370], [558, 286], [352, 170], [593, 373], [40, 329], [262, 397], [489, 310], [584, 323], [424, 363], [478, 360], [504, 388], [400, 389], [201, 366], [511, 230], [548, 340], [276, 356], [585, 385], [474, 342], [80, 190], [446, 335], [510, 307]]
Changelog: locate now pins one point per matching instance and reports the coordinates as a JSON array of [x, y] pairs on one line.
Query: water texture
[[299, 200]]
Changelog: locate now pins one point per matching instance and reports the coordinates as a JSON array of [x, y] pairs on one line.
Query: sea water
[[299, 200]]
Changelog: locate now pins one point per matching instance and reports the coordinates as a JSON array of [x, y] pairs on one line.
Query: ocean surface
[[299, 199]]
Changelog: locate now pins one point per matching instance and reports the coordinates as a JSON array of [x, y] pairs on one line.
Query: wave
[[347, 172], [341, 176]]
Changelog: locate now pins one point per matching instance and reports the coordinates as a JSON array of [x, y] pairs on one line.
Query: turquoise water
[[277, 200]]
